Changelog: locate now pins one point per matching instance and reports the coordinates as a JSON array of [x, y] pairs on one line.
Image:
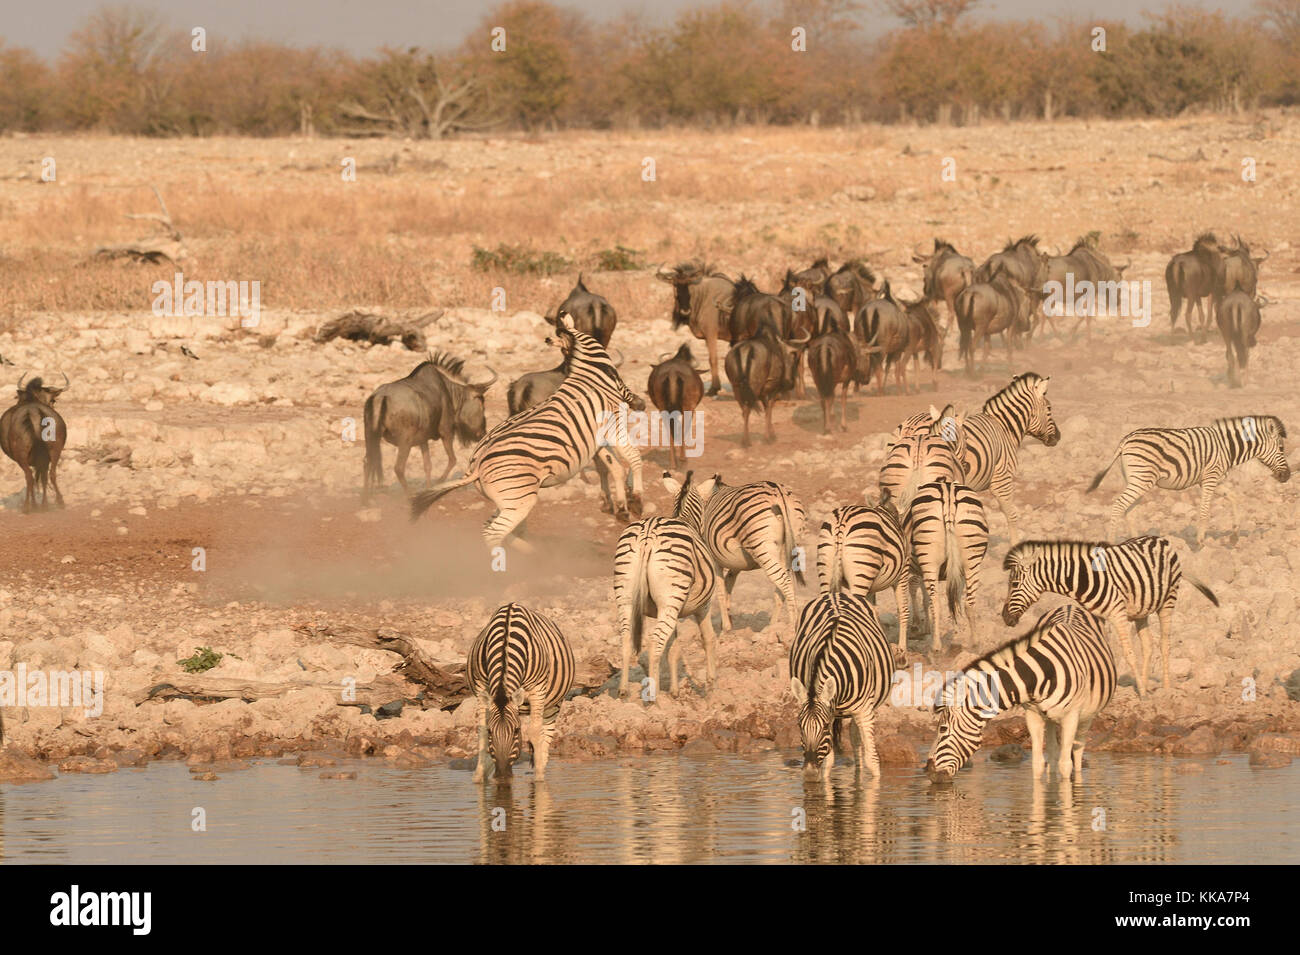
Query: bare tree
[[408, 94], [921, 13]]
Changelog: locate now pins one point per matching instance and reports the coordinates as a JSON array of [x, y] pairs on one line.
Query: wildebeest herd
[[927, 526]]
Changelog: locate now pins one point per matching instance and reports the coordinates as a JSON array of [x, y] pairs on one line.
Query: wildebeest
[[591, 313], [675, 387], [435, 401], [704, 301], [925, 337], [1239, 270], [947, 272], [890, 336], [800, 302], [833, 360], [33, 434], [761, 370], [1087, 264], [814, 277], [1000, 304], [1022, 260], [1191, 277], [852, 285], [1238, 318]]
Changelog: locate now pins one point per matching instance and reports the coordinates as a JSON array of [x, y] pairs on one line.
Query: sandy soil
[[241, 453]]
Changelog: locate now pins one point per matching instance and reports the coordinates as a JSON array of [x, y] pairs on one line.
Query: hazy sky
[[362, 26]]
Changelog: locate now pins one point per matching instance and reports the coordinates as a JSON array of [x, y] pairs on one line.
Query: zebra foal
[[1061, 672], [841, 667], [519, 662]]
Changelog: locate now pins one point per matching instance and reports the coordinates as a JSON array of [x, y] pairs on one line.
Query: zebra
[[919, 459], [746, 528], [991, 438], [519, 661], [860, 550], [549, 443], [1062, 672], [948, 534], [841, 667], [1177, 458], [662, 567], [1117, 582]]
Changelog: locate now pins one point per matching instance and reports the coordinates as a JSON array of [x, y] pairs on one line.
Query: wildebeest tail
[[426, 499], [823, 371], [40, 453], [1174, 280], [374, 423], [966, 325], [744, 392]]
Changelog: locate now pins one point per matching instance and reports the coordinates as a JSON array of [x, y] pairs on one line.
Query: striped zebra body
[[1178, 458], [549, 443], [520, 662], [1122, 582], [662, 569], [948, 535], [841, 667], [860, 550], [915, 460], [1061, 672], [755, 526], [993, 436]]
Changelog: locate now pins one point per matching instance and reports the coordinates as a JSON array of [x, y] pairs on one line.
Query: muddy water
[[661, 809]]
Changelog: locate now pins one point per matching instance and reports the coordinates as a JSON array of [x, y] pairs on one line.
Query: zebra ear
[[705, 488], [671, 484], [935, 414], [800, 694]]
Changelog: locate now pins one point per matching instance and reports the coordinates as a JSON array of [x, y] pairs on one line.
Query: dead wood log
[[379, 329], [210, 689], [169, 245], [445, 683]]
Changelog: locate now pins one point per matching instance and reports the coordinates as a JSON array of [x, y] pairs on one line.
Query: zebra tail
[[425, 499], [791, 541], [956, 569], [836, 571], [640, 581], [374, 467], [1209, 594], [1096, 482]]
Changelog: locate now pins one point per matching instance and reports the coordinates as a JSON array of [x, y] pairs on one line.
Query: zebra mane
[[1234, 423], [1016, 645], [1027, 550], [1018, 383]]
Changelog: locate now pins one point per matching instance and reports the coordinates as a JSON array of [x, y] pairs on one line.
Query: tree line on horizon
[[534, 65]]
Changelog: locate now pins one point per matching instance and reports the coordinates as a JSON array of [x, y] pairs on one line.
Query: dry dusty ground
[[240, 452]]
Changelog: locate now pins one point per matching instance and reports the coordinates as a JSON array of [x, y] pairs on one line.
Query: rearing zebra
[[519, 661], [993, 436], [1117, 582], [949, 537], [746, 528], [1177, 458], [841, 667], [861, 550], [661, 567], [1061, 672], [549, 443]]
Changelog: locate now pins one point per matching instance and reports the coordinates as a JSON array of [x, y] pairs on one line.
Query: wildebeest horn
[[807, 337], [485, 385], [20, 380], [66, 382]]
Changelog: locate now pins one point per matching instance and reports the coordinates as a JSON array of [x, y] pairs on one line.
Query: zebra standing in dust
[[519, 661], [841, 667], [746, 528], [549, 443], [948, 535], [992, 438], [1117, 582], [860, 550], [661, 567], [1061, 672], [920, 459], [1177, 458]]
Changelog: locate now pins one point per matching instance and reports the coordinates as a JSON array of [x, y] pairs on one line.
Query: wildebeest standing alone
[[433, 402], [33, 434], [591, 313], [1191, 277], [761, 370], [676, 387], [1237, 316], [704, 301]]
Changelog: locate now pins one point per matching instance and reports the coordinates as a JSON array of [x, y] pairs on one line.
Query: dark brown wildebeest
[[761, 370], [925, 337], [814, 277], [1191, 277], [1239, 270], [947, 272], [704, 301], [1022, 260], [1238, 318], [534, 387], [675, 388], [881, 329], [1087, 264], [799, 301], [591, 313], [852, 285], [833, 361], [434, 401], [986, 308], [33, 434]]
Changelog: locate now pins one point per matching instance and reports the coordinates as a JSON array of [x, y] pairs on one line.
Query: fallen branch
[[378, 329], [153, 250], [446, 683]]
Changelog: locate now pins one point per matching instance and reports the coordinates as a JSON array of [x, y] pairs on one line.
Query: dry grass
[[402, 235]]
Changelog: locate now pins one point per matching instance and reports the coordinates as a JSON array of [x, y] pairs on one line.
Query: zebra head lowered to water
[[1061, 672]]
